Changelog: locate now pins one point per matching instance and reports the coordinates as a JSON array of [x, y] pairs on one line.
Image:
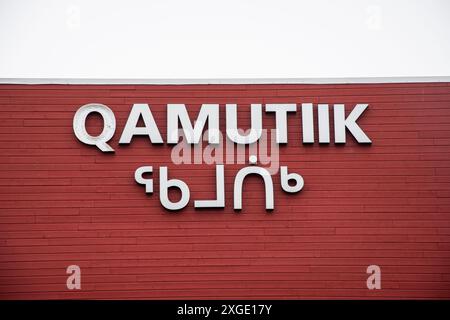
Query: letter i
[[324, 123]]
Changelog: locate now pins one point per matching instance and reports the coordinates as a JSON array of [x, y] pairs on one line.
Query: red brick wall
[[63, 202]]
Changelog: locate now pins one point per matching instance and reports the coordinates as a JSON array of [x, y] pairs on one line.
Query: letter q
[[109, 126]]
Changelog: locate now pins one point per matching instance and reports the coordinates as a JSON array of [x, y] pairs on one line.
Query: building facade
[[67, 203]]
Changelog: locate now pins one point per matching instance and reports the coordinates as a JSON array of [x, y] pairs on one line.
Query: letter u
[[256, 124]]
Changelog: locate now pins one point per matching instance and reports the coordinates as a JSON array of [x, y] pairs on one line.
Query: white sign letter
[[307, 123], [138, 176], [220, 192], [340, 123], [208, 112], [150, 128], [165, 184], [109, 126], [324, 123], [281, 111], [256, 123]]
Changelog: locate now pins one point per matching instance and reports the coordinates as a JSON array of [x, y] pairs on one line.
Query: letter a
[[74, 280], [374, 280]]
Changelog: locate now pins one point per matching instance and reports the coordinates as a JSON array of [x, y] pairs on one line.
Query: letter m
[[208, 113]]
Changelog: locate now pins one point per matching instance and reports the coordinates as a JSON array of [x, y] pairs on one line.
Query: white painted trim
[[225, 81]]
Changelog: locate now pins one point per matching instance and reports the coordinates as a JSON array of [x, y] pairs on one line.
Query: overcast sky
[[158, 39]]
